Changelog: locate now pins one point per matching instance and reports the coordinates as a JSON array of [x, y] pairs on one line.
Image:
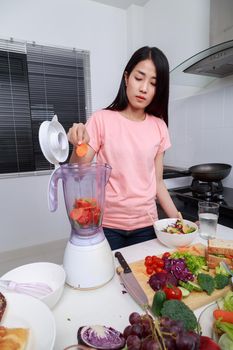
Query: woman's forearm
[[166, 201]]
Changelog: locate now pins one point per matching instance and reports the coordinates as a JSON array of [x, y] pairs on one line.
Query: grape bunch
[[145, 333]]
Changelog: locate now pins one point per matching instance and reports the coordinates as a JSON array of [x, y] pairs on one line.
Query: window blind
[[36, 82]]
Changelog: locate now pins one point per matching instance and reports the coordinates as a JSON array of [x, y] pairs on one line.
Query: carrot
[[225, 316], [195, 249], [192, 250], [81, 150]]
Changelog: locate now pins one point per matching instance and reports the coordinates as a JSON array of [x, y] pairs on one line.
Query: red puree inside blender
[[86, 212]]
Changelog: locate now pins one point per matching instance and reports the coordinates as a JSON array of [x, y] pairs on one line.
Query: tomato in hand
[[172, 292]]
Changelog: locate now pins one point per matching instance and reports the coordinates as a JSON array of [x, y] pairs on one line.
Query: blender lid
[[53, 141]]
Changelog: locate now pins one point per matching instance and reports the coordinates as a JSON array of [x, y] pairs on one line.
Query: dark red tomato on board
[[166, 255], [172, 292]]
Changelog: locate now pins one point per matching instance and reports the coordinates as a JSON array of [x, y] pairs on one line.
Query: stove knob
[[220, 196], [208, 195]]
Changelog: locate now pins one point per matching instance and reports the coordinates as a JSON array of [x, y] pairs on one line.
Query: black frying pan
[[210, 171]]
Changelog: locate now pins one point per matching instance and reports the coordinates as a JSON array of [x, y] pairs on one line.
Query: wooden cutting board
[[195, 299]]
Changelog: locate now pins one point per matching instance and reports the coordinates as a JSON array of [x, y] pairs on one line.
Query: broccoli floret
[[221, 281], [177, 310], [206, 282]]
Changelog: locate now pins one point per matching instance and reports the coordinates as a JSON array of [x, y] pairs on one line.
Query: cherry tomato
[[155, 259], [158, 269], [172, 292], [149, 270], [160, 263], [166, 255], [154, 266], [148, 260]]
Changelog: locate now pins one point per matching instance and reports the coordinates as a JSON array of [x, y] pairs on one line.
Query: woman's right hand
[[78, 134]]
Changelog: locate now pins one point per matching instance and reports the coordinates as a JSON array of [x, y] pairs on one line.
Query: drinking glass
[[208, 218]]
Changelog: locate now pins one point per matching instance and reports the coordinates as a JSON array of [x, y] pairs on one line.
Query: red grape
[[137, 329], [152, 345], [144, 343], [146, 328], [170, 343], [127, 331], [185, 342], [134, 318], [140, 334], [133, 342]]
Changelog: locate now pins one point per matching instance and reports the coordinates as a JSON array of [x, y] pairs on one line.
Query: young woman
[[131, 136]]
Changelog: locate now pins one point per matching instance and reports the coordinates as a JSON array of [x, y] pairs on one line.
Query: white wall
[[201, 124], [179, 28], [221, 21], [83, 24], [201, 128], [135, 25], [24, 216]]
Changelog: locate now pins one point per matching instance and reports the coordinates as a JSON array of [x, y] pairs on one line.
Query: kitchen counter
[[108, 305]]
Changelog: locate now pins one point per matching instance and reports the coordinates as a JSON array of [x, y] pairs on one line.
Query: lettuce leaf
[[225, 342], [228, 301], [194, 263]]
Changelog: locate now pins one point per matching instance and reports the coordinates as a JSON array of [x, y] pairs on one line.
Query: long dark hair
[[159, 105]]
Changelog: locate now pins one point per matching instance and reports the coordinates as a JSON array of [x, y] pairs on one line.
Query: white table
[[107, 305]]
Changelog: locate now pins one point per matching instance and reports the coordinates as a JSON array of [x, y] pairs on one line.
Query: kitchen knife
[[135, 290], [131, 284]]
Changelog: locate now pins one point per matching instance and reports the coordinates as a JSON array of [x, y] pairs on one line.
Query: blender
[[88, 259]]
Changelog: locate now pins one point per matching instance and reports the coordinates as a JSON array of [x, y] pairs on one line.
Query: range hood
[[206, 66]]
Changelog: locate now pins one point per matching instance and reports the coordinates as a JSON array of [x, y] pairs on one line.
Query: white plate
[[206, 321], [28, 312]]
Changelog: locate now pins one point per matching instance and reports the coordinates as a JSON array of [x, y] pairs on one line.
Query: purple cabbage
[[178, 268], [101, 337], [161, 279]]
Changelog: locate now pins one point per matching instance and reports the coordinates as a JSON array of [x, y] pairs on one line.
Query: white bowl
[[52, 274], [174, 240]]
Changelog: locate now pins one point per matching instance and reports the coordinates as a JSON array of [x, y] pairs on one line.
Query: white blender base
[[88, 267]]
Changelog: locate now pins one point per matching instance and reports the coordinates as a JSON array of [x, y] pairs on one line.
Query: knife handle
[[123, 262]]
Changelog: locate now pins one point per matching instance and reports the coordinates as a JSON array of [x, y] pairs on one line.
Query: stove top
[[207, 190], [223, 197]]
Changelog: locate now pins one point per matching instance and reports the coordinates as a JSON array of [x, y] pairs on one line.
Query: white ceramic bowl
[[52, 274], [174, 240]]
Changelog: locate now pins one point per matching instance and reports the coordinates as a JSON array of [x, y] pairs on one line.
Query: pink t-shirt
[[129, 147]]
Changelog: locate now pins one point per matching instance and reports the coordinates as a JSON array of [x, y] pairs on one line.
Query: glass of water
[[208, 218]]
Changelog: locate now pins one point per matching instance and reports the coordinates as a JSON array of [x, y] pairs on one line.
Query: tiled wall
[[201, 130]]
